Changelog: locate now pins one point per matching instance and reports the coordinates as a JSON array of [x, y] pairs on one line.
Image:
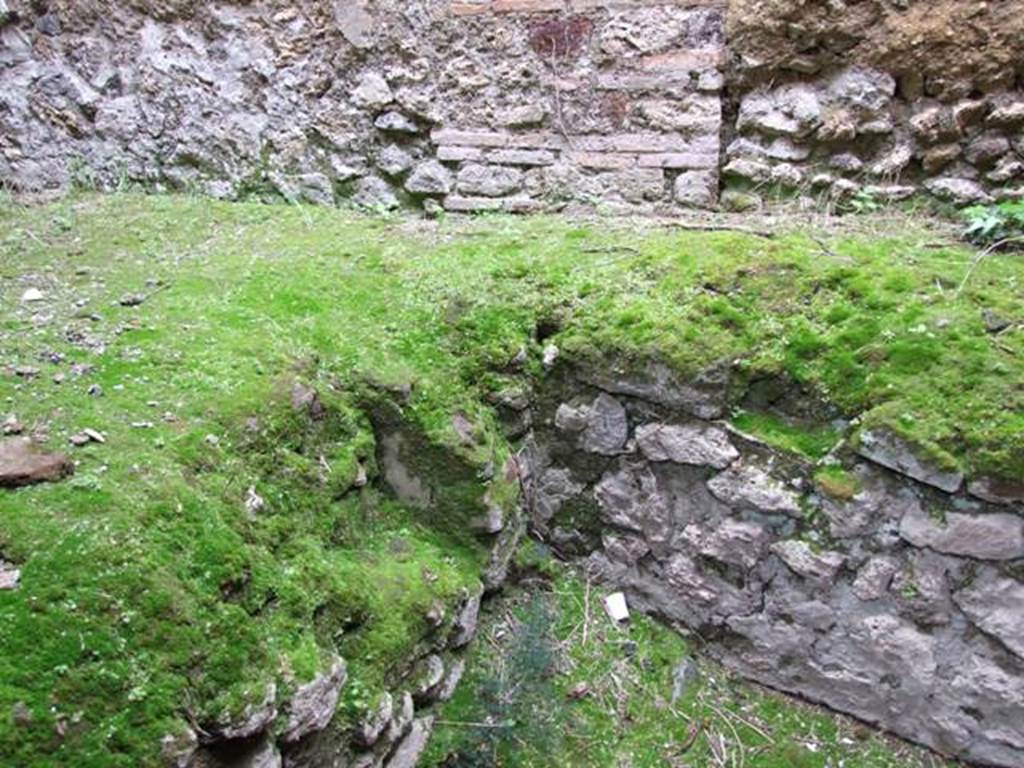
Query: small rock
[[607, 427], [396, 122], [93, 435], [10, 576], [995, 323], [177, 750], [550, 356], [373, 725], [997, 491], [958, 191], [31, 295], [683, 676], [994, 536], [22, 464], [686, 444], [466, 620], [885, 448], [996, 605], [616, 608], [579, 691], [394, 161], [873, 578], [751, 488], [429, 178], [12, 426], [373, 91], [489, 180], [312, 706], [373, 192], [26, 371], [131, 299], [798, 556], [409, 751], [21, 715], [254, 503]]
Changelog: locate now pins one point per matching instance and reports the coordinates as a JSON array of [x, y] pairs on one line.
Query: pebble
[[32, 294]]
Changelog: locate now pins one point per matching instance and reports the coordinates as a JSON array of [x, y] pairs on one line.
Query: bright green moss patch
[[553, 682], [837, 482], [153, 590], [811, 442]]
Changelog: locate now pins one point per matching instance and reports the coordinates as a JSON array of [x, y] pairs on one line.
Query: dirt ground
[[945, 47]]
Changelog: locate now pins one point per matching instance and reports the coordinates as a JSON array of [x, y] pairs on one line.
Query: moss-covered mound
[[233, 357]]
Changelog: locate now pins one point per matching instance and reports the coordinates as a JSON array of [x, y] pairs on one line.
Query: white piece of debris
[[9, 575], [616, 608], [550, 355], [32, 294], [253, 501]]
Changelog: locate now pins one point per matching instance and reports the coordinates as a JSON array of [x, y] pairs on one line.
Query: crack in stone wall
[[902, 606]]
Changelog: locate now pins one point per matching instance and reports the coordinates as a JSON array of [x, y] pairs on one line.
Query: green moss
[[558, 684], [837, 482], [811, 442], [147, 586]]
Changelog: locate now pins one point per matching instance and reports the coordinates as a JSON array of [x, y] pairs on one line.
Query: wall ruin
[[515, 105]]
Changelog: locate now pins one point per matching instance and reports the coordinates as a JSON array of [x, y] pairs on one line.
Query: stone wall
[[474, 105], [900, 600]]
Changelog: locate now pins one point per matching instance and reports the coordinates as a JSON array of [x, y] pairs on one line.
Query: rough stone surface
[[253, 719], [821, 567], [750, 487], [890, 451], [430, 178], [606, 428], [10, 575], [870, 605], [993, 536], [408, 752], [700, 445], [996, 605], [312, 705], [22, 463], [464, 627]]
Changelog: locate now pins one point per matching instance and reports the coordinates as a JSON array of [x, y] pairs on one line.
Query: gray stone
[[466, 620], [312, 705], [177, 750], [995, 536], [1006, 169], [696, 189], [786, 174], [374, 723], [429, 178], [939, 157], [427, 677], [873, 579], [394, 161], [552, 489], [374, 193], [957, 190], [893, 161], [747, 487], [396, 122], [489, 180], [997, 491], [733, 542], [996, 605], [253, 719], [10, 575], [820, 567], [607, 428], [867, 90], [407, 754], [791, 110], [739, 202], [702, 396], [699, 445], [969, 112], [629, 498], [922, 589], [985, 149], [373, 91], [355, 22], [885, 448], [451, 680], [524, 116], [624, 548], [22, 463], [751, 170], [570, 418], [1008, 112], [935, 125], [402, 718]]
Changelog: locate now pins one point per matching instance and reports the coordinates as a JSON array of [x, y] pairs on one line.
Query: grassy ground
[[553, 681], [150, 593]]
